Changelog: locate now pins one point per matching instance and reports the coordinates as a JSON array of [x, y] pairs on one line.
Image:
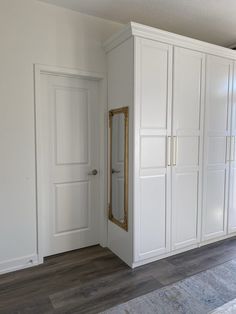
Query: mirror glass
[[118, 166]]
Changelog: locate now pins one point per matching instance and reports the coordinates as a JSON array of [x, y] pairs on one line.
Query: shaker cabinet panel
[[187, 154], [232, 200], [232, 180], [154, 84], [153, 125], [217, 146], [153, 152], [218, 84], [185, 209], [188, 90], [153, 216], [214, 216]]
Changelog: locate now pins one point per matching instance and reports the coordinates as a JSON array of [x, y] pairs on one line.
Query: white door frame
[[102, 102]]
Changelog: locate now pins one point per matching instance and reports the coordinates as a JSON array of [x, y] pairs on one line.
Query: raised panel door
[[187, 142], [232, 177], [217, 146], [70, 151], [153, 126]]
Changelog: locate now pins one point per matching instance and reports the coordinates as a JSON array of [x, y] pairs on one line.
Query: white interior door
[[232, 180], [217, 132], [187, 146], [70, 151]]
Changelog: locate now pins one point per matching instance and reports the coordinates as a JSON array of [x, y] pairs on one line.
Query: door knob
[[94, 172], [115, 171]]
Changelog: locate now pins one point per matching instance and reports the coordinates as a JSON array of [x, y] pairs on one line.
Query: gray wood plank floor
[[93, 279]]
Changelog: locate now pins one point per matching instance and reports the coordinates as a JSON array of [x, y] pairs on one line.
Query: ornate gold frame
[[125, 111]]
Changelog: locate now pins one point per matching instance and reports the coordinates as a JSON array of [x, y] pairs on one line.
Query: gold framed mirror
[[118, 166]]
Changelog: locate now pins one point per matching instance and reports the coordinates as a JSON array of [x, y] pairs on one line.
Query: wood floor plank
[[118, 294], [100, 287], [36, 305], [93, 279], [204, 258], [66, 278]]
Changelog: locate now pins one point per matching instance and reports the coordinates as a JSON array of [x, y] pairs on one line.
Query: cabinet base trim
[[182, 250], [224, 237], [156, 258]]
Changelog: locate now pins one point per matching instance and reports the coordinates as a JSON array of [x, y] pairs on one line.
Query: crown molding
[[143, 31], [119, 37]]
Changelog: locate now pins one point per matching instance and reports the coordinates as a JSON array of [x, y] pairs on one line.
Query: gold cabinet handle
[[232, 148], [228, 152], [174, 150]]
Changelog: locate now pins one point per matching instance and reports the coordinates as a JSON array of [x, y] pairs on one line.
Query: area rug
[[199, 294], [228, 308]]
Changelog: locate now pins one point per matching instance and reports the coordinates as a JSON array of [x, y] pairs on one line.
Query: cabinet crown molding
[[148, 32]]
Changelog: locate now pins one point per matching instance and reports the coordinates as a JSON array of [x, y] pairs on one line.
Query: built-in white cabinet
[[182, 155]]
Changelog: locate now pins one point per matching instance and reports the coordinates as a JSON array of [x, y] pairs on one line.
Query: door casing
[[102, 102]]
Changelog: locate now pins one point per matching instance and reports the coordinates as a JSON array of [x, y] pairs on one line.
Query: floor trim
[[18, 263]]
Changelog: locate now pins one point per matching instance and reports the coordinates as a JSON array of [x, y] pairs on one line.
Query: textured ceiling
[[209, 20]]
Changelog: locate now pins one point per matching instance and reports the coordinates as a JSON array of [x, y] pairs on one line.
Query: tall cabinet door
[[217, 144], [232, 180], [187, 143], [152, 128]]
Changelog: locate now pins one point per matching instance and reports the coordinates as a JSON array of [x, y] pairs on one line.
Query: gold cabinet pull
[[174, 150], [228, 152], [231, 148]]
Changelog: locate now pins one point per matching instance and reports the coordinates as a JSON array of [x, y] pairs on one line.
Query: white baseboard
[[215, 240], [18, 263], [182, 250], [156, 258]]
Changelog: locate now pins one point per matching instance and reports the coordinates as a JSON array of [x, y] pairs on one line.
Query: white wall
[[33, 32]]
